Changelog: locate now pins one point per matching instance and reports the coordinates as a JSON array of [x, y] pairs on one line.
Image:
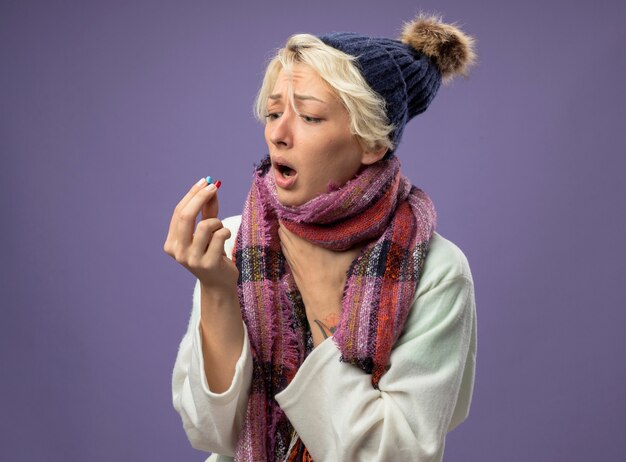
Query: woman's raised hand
[[201, 251]]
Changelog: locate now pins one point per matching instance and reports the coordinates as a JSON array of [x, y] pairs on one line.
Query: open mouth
[[285, 170], [284, 174]]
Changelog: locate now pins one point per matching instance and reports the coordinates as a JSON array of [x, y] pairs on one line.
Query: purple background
[[110, 111]]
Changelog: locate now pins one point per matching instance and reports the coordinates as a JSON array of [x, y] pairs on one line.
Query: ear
[[370, 157]]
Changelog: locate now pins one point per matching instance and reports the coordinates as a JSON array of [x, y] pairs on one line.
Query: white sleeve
[[427, 390], [212, 421]]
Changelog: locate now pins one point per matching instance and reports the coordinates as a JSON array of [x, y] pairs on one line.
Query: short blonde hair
[[366, 108]]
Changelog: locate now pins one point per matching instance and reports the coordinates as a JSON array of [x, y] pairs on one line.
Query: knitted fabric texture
[[379, 209], [407, 79]]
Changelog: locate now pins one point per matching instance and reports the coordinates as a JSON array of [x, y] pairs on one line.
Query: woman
[[330, 322]]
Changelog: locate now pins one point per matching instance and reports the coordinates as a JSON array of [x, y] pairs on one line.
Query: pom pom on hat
[[407, 73], [450, 48]]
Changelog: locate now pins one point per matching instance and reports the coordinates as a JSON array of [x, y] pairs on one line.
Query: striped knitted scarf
[[378, 209]]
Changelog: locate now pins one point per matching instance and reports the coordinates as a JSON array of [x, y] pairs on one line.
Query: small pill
[[218, 183], [208, 179]]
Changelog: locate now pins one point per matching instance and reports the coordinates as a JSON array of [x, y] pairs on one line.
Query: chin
[[290, 199]]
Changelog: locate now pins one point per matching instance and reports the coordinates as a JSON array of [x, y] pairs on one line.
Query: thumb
[[211, 208]]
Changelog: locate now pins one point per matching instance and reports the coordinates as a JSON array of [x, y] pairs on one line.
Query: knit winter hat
[[408, 72]]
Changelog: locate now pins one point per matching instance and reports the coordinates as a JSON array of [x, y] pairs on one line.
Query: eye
[[312, 120], [272, 115]]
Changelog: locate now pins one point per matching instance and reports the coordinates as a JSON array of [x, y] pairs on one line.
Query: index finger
[[185, 220], [195, 189]]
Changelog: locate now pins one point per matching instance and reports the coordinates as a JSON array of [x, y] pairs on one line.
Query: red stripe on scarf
[[352, 231]]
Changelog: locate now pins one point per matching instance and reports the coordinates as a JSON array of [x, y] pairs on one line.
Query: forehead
[[303, 79]]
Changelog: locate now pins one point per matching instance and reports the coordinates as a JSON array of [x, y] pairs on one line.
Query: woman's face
[[313, 149]]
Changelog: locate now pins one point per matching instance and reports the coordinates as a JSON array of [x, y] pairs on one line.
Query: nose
[[280, 130]]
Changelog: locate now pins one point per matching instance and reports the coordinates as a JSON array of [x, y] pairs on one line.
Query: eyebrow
[[278, 96]]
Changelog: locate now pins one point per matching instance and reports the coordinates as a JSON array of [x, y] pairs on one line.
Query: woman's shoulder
[[445, 261]]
